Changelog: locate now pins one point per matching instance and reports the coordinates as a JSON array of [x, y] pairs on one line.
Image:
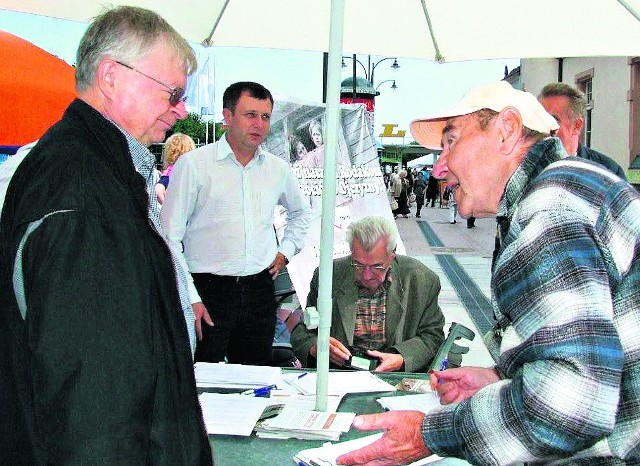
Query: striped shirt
[[144, 163], [566, 291]]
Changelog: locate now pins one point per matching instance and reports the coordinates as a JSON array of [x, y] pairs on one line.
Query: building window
[[587, 119], [584, 82]]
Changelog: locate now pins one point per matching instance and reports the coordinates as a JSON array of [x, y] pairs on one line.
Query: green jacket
[[414, 325]]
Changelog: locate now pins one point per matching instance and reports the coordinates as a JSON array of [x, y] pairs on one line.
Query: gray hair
[[577, 99], [370, 230], [127, 34]]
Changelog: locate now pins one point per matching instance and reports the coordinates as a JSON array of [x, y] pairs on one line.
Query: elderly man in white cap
[[565, 280]]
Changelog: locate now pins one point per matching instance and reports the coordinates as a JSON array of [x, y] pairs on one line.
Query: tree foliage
[[195, 127]]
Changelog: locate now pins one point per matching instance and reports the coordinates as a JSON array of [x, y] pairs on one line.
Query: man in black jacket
[[96, 366]]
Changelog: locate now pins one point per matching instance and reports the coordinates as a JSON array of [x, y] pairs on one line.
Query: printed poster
[[297, 136]]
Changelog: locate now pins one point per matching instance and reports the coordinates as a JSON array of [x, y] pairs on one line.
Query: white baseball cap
[[495, 96]]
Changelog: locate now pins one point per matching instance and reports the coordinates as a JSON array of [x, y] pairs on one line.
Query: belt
[[230, 279]]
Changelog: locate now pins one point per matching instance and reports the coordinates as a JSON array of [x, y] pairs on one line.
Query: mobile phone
[[361, 363]]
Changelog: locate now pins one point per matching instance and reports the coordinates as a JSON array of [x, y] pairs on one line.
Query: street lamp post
[[364, 90]]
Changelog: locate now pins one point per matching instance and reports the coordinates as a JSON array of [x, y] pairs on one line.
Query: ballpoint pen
[[302, 375], [443, 366], [261, 391]]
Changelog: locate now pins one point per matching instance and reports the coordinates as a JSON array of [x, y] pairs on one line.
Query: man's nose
[[180, 109], [367, 273], [440, 168]]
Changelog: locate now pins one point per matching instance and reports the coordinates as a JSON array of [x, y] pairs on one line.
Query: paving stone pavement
[[470, 250]]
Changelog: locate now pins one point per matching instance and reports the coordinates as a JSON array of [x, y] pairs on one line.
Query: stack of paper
[[235, 414], [232, 414], [345, 382], [236, 375], [423, 402], [326, 455], [305, 425]]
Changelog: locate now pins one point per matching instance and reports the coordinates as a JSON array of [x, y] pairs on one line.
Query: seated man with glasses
[[385, 306]]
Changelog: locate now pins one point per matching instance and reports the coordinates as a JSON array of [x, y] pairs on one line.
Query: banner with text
[[297, 135]]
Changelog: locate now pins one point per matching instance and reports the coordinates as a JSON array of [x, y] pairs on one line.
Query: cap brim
[[428, 133]]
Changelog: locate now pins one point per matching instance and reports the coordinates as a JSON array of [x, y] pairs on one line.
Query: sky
[[424, 87]]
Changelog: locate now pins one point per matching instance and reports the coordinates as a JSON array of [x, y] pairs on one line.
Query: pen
[[302, 375], [262, 391], [444, 364]]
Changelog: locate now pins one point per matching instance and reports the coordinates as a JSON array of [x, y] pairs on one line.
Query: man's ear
[[509, 125], [106, 77], [577, 125], [226, 114]]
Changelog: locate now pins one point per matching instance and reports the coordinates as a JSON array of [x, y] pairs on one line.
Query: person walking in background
[[401, 186], [419, 187], [564, 289], [218, 216], [451, 205], [96, 366], [176, 145], [433, 190], [568, 106]]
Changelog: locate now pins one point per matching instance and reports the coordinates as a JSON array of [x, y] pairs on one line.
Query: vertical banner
[[297, 136]]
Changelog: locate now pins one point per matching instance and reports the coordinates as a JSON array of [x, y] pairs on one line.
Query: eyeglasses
[[176, 94], [378, 268]]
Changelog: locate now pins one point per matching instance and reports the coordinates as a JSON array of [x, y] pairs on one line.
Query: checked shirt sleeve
[[561, 355]]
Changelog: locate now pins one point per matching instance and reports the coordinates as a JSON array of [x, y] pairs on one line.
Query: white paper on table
[[236, 375], [304, 402], [326, 455], [345, 382], [291, 419], [232, 414], [423, 402]]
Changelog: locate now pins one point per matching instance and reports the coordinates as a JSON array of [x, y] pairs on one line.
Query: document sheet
[[326, 455]]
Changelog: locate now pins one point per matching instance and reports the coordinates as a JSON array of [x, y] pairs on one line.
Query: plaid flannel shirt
[[566, 290]]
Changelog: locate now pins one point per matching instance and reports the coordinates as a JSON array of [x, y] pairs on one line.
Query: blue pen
[[262, 391], [302, 375], [444, 364]]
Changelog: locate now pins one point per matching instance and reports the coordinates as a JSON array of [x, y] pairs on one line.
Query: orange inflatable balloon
[[35, 89]]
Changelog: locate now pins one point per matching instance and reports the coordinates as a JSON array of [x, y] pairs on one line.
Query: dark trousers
[[419, 204], [243, 310]]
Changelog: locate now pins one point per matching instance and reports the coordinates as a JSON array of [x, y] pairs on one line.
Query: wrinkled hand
[[402, 442], [201, 313], [277, 265], [338, 353], [455, 385], [389, 362]]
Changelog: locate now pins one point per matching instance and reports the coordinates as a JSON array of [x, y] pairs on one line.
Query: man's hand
[[389, 362], [277, 265], [401, 443], [201, 312], [455, 385], [338, 353]]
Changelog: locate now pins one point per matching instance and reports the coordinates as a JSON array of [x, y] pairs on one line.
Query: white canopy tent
[[441, 30], [418, 163]]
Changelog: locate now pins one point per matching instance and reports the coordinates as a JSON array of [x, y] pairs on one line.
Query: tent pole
[[332, 117]]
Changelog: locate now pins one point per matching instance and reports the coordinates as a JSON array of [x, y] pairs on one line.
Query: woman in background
[[174, 147]]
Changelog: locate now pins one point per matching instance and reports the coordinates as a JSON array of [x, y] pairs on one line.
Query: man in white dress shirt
[[219, 212]]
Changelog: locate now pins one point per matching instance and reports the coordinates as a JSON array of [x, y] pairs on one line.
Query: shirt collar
[[540, 156], [143, 159], [225, 151]]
